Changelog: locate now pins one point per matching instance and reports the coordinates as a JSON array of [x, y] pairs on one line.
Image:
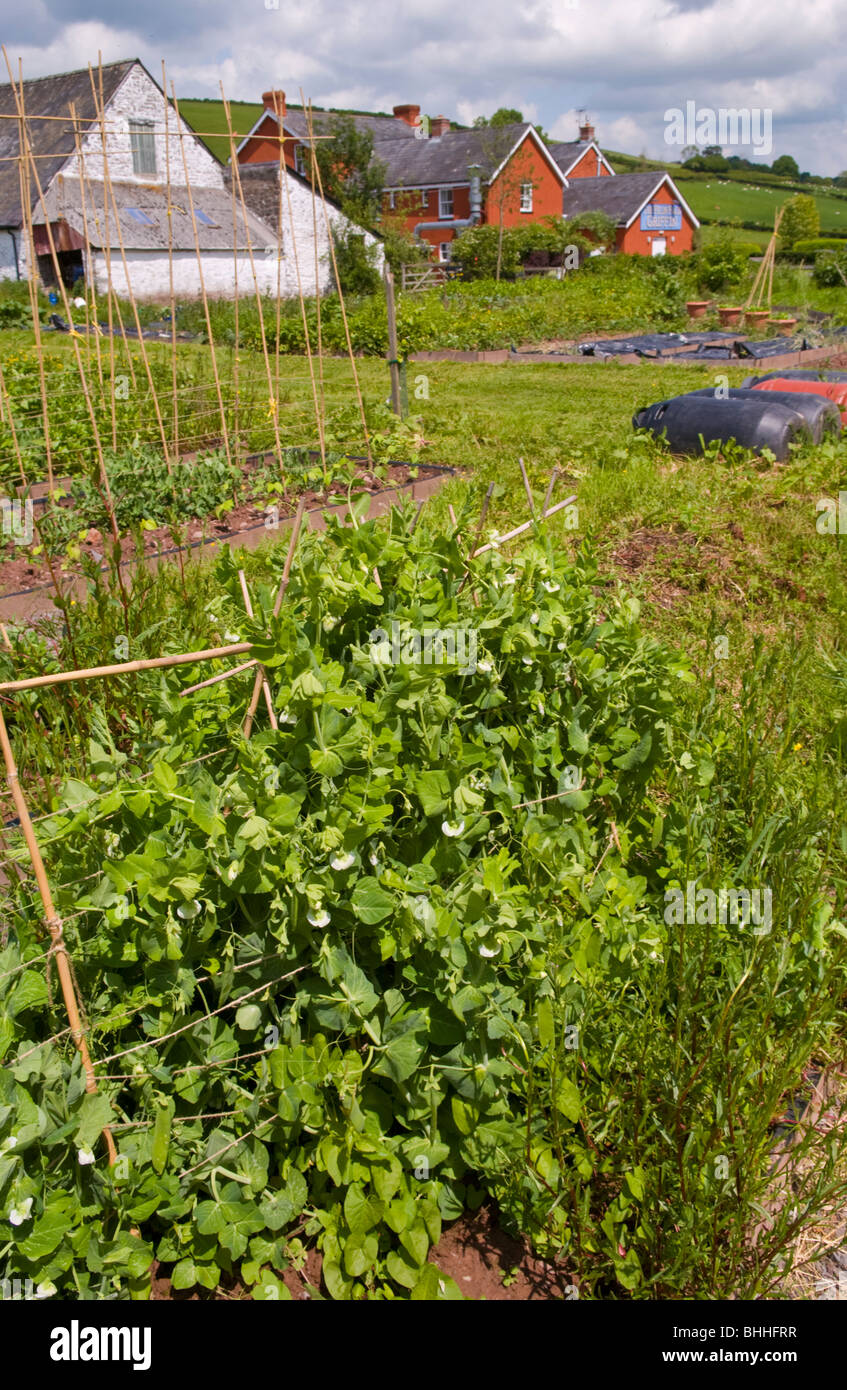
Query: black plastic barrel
[[689, 422], [795, 376], [821, 416]]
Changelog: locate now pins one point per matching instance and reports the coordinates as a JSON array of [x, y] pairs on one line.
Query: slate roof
[[52, 140], [149, 231], [427, 163], [380, 127], [620, 197]]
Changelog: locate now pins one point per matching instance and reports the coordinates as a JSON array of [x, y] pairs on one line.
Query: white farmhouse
[[133, 198]]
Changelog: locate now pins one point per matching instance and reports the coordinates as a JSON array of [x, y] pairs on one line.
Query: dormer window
[[142, 142]]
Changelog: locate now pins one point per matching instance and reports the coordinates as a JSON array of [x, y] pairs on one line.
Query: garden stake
[[245, 593], [91, 324], [153, 663], [212, 350], [518, 530], [172, 297], [527, 487], [109, 191], [280, 594], [26, 204], [54, 925], [273, 387], [317, 169], [303, 315], [311, 131]]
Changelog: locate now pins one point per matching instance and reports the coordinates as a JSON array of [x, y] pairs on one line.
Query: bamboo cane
[[91, 324], [19, 99], [245, 594], [124, 668], [484, 512], [317, 168], [171, 294], [518, 530], [304, 317], [32, 273], [100, 108], [552, 483], [272, 396], [311, 129], [527, 488], [280, 594], [208, 317], [221, 676], [54, 925]]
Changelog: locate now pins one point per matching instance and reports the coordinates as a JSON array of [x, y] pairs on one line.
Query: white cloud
[[627, 61]]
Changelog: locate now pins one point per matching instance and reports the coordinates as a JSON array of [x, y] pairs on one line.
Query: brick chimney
[[274, 101], [586, 133], [409, 114], [439, 125]]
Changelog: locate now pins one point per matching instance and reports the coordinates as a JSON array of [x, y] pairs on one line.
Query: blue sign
[[661, 217]]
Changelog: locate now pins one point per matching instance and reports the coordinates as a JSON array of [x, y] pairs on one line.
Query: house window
[[141, 217], [392, 201], [205, 219], [143, 145], [300, 161], [526, 197], [424, 197], [445, 251], [445, 204]]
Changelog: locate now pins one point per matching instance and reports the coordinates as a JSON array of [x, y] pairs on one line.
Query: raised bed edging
[[38, 602], [789, 359]]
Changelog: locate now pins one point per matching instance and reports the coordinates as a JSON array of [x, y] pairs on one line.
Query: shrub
[[720, 264], [831, 269], [800, 221]]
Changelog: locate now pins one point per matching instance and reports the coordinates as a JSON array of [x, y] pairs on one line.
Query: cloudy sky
[[627, 61]]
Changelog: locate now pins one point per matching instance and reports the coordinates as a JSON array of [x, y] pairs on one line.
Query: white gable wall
[[139, 98]]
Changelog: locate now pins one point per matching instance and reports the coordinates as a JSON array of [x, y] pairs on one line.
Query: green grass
[[721, 201], [208, 118]]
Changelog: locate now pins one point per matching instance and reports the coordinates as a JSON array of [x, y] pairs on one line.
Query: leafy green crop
[[353, 906]]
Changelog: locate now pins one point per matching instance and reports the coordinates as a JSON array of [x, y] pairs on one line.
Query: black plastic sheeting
[[706, 346], [159, 331]]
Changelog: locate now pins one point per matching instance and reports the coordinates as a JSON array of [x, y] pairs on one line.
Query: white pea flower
[[527, 660], [340, 862], [484, 666], [232, 637], [85, 1155], [488, 952], [561, 646], [509, 578], [328, 622], [18, 1215], [533, 617], [188, 911], [283, 717], [452, 828], [45, 1290], [551, 588], [319, 917], [232, 872], [10, 1143]]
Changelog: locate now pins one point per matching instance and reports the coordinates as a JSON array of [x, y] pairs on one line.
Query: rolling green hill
[[208, 119]]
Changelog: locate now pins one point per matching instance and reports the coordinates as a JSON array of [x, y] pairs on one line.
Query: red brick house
[[651, 216], [439, 180]]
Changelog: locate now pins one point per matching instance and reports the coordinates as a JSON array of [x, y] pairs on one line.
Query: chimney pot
[[408, 113], [586, 134], [439, 126]]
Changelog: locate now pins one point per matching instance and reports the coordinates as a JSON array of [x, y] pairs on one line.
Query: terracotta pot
[[784, 327], [696, 308], [756, 318], [730, 317]]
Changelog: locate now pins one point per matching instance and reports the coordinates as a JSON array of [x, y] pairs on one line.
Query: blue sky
[[626, 61]]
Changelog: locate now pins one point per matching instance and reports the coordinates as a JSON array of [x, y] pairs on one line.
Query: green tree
[[504, 115], [786, 166], [349, 172], [800, 221]]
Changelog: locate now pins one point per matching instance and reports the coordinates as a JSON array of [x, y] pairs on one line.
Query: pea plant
[[333, 974]]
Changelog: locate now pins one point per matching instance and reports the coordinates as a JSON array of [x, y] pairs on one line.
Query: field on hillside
[[720, 201], [208, 118]]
